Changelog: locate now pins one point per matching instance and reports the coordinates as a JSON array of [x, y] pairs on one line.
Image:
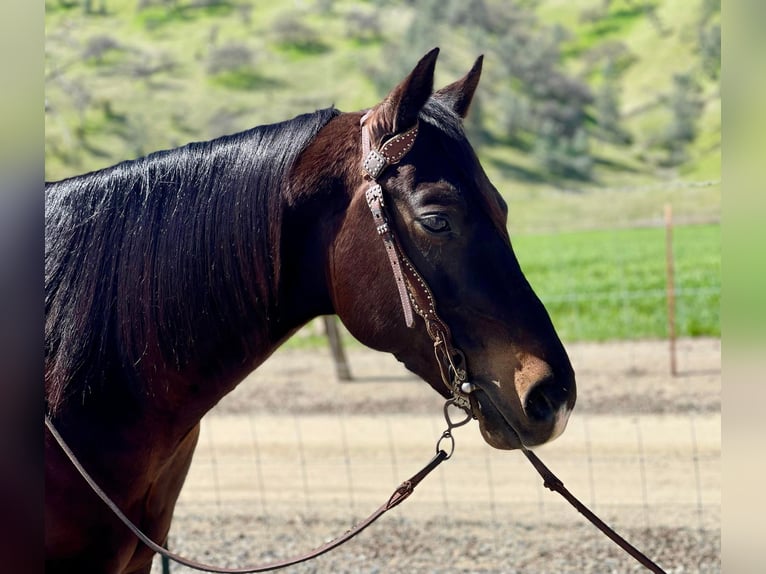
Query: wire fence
[[628, 283], [283, 480], [284, 485], [645, 471]]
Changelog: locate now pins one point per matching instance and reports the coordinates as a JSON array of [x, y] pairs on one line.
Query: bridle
[[415, 296], [414, 292]]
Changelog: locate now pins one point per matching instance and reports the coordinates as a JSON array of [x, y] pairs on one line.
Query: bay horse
[[171, 277]]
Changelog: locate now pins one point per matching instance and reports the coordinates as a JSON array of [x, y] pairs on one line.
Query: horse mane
[[141, 256]]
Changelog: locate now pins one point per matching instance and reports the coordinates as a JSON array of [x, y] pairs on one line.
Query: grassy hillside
[[659, 43], [152, 74]]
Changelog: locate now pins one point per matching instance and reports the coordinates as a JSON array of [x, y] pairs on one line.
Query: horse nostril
[[544, 401]]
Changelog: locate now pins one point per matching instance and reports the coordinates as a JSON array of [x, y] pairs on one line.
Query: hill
[[589, 114]]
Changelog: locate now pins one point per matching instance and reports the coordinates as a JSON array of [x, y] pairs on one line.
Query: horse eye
[[435, 223]]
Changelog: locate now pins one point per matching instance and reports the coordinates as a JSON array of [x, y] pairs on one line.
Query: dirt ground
[[293, 457], [630, 377]]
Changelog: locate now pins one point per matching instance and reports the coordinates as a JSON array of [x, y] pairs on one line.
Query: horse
[[171, 277]]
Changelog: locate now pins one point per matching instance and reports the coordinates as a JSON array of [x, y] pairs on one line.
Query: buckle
[[374, 193]]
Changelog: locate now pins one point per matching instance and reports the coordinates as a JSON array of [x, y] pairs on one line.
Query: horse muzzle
[[530, 418]]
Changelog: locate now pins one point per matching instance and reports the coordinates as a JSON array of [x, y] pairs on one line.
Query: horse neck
[[304, 216], [315, 204], [211, 275], [277, 285]]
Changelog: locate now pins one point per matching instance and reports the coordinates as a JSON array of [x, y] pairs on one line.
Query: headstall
[[414, 292]]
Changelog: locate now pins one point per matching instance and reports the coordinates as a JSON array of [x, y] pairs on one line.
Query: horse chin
[[494, 427]]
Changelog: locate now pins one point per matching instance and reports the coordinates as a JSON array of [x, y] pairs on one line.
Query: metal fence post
[[670, 287]]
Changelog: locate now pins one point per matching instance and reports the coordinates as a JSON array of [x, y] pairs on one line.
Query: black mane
[[142, 255]]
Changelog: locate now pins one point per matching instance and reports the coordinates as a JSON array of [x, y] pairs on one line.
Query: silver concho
[[374, 163]]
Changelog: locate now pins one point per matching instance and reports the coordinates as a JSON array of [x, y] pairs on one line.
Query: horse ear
[[459, 95], [399, 110]]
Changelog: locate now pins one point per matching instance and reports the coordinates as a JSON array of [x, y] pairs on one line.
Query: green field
[[610, 284]]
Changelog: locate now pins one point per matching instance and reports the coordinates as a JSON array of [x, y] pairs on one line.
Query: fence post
[[670, 287], [339, 355]]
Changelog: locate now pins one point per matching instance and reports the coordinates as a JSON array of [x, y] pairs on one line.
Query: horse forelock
[[165, 257]]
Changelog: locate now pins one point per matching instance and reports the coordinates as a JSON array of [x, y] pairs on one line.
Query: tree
[[98, 46], [709, 38], [710, 50], [555, 102], [363, 25], [685, 103], [233, 56], [607, 105], [538, 103], [88, 6]]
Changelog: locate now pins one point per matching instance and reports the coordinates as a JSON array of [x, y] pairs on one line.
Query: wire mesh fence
[[285, 484], [649, 470], [619, 283]]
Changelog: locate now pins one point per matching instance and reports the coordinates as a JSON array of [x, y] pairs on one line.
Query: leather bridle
[[415, 295], [414, 292]]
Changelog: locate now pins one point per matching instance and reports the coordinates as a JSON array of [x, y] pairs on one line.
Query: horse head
[[449, 224]]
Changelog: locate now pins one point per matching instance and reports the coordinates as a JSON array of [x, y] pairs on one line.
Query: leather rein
[[415, 296]]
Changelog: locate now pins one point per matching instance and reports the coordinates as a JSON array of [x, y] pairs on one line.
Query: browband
[[391, 152]]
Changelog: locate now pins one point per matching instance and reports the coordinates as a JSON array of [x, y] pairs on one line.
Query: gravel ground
[[408, 545], [629, 379]]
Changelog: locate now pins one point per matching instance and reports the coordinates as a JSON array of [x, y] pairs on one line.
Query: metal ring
[[452, 424], [446, 435]]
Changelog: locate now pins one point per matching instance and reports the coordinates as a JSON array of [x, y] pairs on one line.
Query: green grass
[[615, 24], [610, 284]]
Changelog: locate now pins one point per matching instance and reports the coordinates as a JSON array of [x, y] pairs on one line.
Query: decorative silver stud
[[467, 388]]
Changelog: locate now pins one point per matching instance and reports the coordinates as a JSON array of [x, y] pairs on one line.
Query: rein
[[415, 296], [553, 483]]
